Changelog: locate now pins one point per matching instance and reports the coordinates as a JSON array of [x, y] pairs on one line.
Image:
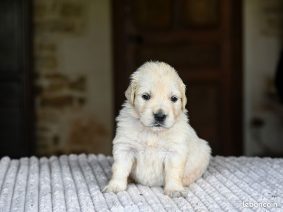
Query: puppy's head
[[157, 94]]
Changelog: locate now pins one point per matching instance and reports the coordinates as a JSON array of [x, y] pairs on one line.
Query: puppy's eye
[[174, 98], [146, 96]]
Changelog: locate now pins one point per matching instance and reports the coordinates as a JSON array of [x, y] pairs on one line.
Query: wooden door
[[202, 40]]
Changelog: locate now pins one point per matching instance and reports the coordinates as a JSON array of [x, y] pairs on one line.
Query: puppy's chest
[[151, 154], [153, 145]]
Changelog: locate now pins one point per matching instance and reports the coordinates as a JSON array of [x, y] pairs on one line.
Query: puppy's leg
[[174, 170], [120, 171], [197, 161]]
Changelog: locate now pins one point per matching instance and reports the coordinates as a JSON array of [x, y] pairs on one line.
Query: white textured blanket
[[74, 183]]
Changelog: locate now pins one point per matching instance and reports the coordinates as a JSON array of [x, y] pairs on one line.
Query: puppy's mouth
[[158, 125]]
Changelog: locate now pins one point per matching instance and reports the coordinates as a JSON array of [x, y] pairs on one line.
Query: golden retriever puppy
[[154, 143]]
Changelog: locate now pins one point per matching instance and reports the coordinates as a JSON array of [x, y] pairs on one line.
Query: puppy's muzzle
[[159, 117]]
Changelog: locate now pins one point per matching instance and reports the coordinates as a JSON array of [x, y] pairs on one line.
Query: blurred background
[[65, 64]]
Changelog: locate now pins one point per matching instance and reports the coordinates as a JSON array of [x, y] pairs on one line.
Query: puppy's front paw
[[175, 191], [115, 186]]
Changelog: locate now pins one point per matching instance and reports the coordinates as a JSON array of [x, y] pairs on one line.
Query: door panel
[[201, 13], [192, 56], [152, 14], [201, 39], [204, 110]]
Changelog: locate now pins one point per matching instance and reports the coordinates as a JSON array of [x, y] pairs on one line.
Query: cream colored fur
[[172, 155]]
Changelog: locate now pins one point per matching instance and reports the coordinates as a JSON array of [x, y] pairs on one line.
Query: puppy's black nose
[[159, 116]]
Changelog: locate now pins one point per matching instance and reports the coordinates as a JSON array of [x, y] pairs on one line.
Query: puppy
[[154, 143]]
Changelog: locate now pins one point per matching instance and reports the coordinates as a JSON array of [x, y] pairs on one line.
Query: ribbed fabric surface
[[74, 183]]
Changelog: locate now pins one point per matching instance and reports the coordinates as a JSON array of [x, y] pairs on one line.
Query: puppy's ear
[[183, 93], [131, 91]]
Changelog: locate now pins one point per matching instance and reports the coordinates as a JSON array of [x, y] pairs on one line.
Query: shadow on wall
[[263, 44]]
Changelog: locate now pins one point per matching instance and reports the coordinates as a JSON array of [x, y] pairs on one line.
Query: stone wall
[[73, 84]]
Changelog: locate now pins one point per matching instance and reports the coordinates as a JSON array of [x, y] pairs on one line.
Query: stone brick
[[71, 9], [68, 26], [47, 61], [58, 102], [85, 135], [79, 84], [45, 48], [40, 10]]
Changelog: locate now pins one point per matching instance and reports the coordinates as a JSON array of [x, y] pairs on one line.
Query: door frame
[[29, 107]]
